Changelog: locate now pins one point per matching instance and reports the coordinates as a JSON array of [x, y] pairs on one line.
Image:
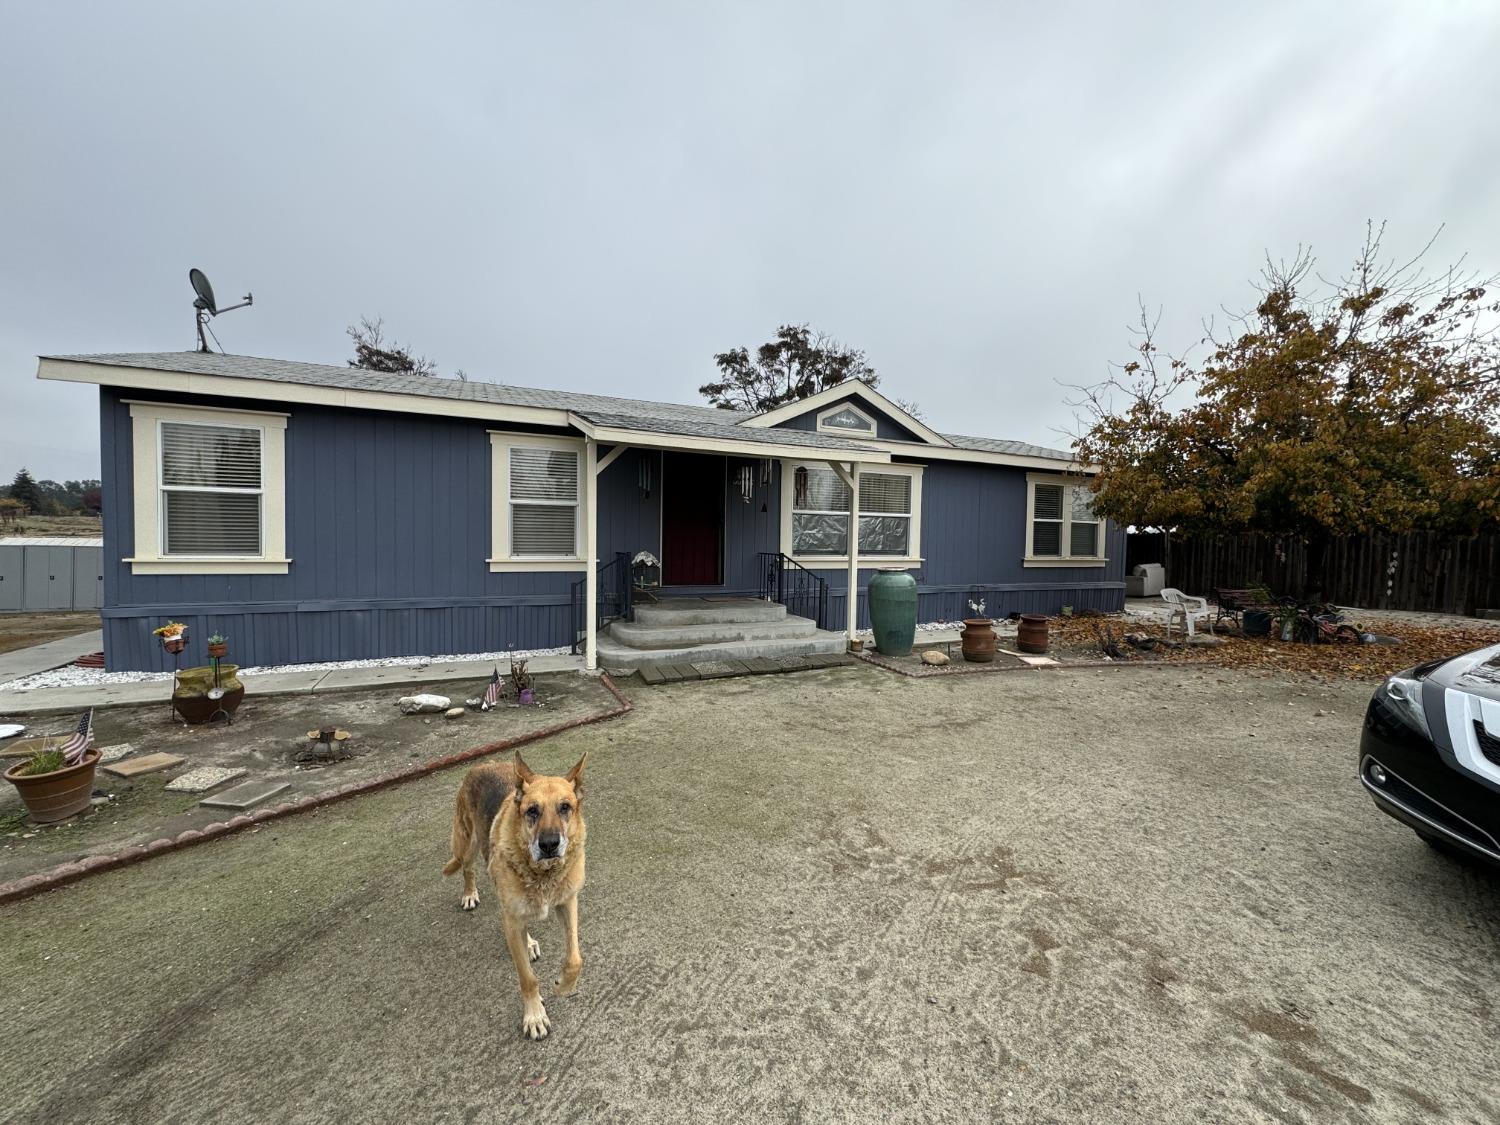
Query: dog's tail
[[452, 866]]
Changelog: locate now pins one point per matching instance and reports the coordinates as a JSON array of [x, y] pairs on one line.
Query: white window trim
[[501, 560], [149, 558], [839, 408], [1065, 559], [841, 562]]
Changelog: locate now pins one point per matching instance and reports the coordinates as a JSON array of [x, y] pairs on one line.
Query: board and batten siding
[[388, 529], [974, 544]]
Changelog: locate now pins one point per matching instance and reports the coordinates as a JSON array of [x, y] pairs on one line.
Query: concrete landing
[[701, 631]]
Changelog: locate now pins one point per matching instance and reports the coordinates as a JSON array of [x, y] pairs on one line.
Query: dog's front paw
[[567, 983], [533, 947], [470, 900], [534, 1022]]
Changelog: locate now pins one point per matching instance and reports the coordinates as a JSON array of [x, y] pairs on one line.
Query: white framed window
[[209, 490], [845, 418], [1061, 526], [815, 514], [538, 511]]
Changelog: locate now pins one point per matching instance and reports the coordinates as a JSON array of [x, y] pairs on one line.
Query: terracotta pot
[[190, 695], [174, 645], [1032, 634], [50, 797], [979, 640], [218, 651]]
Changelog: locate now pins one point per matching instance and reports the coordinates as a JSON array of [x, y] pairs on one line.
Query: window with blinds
[[820, 514], [1047, 521], [211, 489], [543, 502], [1063, 523]]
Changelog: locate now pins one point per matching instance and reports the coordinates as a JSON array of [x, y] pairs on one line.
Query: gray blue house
[[320, 513]]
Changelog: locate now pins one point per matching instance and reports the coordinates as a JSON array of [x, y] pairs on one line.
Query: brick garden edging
[[89, 865]]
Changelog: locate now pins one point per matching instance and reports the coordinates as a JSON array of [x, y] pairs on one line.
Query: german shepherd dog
[[530, 830]]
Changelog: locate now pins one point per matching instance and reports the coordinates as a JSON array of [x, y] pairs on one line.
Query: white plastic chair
[[1187, 608]]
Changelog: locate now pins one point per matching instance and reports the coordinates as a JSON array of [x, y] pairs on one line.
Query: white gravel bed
[[97, 677]]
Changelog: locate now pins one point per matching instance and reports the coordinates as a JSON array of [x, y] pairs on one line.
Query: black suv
[[1430, 753]]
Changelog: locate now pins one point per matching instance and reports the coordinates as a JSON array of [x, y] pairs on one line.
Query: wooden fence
[[1419, 571]]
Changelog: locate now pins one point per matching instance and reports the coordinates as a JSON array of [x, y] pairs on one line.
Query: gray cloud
[[600, 196]]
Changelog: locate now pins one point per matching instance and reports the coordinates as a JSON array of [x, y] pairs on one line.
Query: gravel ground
[[1126, 895]]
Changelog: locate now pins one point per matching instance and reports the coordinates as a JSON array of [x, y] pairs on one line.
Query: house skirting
[[306, 632]]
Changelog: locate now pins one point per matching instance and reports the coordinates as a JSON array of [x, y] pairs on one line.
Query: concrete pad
[[282, 683], [204, 778], [245, 796], [149, 763], [52, 654]]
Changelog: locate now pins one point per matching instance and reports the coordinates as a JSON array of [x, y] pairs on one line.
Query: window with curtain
[[820, 513], [211, 489], [543, 502], [1063, 523]]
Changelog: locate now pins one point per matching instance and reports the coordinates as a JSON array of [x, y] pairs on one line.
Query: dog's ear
[[575, 775], [524, 776]]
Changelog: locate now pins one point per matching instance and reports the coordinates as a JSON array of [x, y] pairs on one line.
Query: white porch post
[[853, 548], [590, 550]]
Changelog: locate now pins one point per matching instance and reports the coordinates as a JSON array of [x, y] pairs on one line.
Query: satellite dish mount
[[206, 307]]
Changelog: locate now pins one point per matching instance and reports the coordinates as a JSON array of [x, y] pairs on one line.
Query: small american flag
[[492, 693], [80, 740]]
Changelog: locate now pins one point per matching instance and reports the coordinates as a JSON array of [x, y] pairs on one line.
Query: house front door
[[692, 520]]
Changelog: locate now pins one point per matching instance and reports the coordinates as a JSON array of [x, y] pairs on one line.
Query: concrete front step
[[636, 634], [612, 654], [708, 611]]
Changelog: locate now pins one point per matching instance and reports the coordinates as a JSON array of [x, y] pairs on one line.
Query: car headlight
[[1403, 692]]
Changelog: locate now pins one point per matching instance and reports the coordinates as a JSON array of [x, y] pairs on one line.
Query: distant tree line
[[50, 497]]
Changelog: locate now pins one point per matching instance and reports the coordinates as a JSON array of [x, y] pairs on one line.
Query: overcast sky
[[600, 196]]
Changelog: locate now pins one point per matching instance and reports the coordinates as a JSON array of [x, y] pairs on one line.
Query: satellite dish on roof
[[207, 307], [204, 290]]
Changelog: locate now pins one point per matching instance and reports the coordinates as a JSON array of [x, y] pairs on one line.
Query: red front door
[[692, 520]]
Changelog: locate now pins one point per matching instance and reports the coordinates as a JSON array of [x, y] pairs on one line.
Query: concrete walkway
[[281, 683], [53, 654]]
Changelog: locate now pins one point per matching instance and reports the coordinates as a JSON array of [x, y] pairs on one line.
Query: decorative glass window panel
[[846, 419], [210, 489], [543, 502]]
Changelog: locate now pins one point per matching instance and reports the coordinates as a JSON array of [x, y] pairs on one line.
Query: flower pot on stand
[[50, 797], [174, 645], [978, 640], [218, 651]]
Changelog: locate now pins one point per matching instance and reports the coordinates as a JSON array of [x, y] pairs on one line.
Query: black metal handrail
[[794, 586], [614, 588]]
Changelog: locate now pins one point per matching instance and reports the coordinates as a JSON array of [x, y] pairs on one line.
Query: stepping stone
[[245, 796], [203, 778], [1036, 661], [715, 669], [150, 763], [792, 663], [759, 666], [114, 753], [651, 674], [679, 671]]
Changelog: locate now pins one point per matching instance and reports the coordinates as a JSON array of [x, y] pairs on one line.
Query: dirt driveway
[[836, 896]]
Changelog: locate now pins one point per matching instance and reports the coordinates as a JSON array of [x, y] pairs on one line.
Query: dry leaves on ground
[[1419, 643]]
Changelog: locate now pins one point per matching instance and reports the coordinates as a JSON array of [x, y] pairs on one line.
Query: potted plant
[[58, 779], [173, 636], [525, 693], [979, 635], [218, 646]]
